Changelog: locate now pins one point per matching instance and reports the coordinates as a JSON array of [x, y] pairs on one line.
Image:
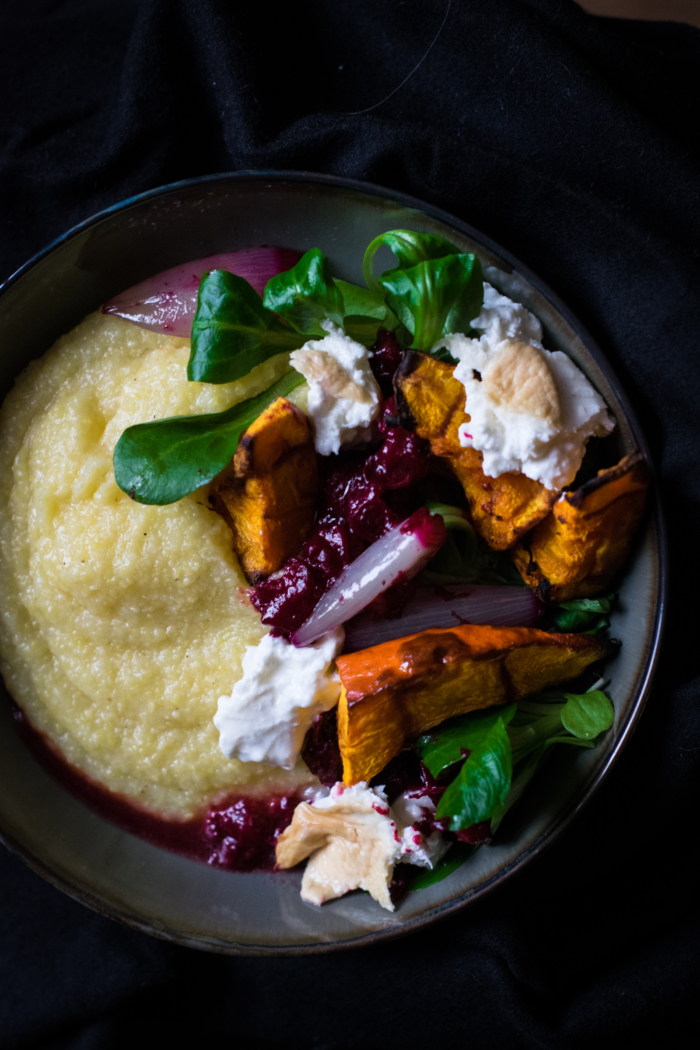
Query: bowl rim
[[119, 913]]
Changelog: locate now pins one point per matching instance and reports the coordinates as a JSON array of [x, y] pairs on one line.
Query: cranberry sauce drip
[[405, 774], [386, 358], [363, 497], [238, 834], [321, 750], [241, 834], [476, 834]]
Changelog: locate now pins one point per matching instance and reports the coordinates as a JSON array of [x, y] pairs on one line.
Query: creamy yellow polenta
[[121, 624]]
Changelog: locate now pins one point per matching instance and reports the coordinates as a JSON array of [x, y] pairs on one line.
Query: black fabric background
[[571, 140]]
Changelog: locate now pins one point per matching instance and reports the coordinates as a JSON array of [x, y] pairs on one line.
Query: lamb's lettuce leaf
[[365, 312], [163, 460], [442, 747], [434, 289], [588, 715], [409, 247], [495, 744], [481, 787], [232, 332], [583, 614], [306, 295], [435, 297]]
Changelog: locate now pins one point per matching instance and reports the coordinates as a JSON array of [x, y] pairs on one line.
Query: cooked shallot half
[[167, 302], [446, 607], [399, 554]]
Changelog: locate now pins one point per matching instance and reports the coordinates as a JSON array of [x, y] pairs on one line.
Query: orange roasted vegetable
[[580, 545], [269, 491], [431, 401], [395, 691]]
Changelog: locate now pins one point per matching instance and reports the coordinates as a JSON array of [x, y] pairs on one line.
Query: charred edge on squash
[[626, 464], [242, 460], [543, 589]]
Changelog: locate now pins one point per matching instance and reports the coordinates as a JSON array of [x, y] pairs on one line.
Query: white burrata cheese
[[271, 708], [417, 848], [344, 398], [353, 839], [411, 846], [501, 319], [531, 411]]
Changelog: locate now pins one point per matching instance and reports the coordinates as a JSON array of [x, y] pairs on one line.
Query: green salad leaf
[[433, 290], [232, 332], [161, 461], [442, 747], [365, 313], [306, 295], [361, 302], [500, 750], [436, 297], [409, 248], [552, 718], [583, 614], [481, 787], [586, 716]]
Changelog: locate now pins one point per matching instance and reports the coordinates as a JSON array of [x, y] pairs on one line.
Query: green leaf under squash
[[442, 747], [579, 614], [161, 461], [483, 782]]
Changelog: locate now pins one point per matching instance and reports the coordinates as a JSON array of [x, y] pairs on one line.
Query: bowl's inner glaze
[[166, 894]]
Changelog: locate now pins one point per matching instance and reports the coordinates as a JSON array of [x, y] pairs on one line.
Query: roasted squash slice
[[393, 692], [430, 401], [580, 545], [269, 492]]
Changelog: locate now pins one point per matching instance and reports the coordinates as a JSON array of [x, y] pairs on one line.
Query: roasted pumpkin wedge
[[269, 492], [393, 692], [575, 551], [431, 401]]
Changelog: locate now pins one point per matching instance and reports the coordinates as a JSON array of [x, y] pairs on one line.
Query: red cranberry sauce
[[238, 834], [363, 497], [386, 358], [476, 834], [321, 751]]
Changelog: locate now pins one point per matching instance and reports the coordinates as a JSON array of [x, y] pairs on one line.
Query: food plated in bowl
[[149, 613]]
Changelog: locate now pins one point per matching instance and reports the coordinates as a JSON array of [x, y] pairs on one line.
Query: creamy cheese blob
[[271, 708], [425, 851], [411, 846], [531, 411], [354, 839], [344, 397], [359, 845]]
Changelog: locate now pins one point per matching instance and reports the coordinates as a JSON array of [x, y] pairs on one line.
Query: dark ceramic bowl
[[167, 895]]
